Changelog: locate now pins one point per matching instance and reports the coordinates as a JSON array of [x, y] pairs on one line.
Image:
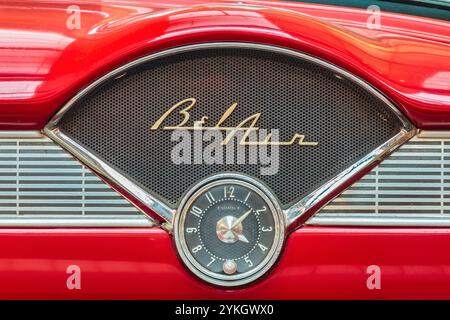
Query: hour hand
[[242, 238]]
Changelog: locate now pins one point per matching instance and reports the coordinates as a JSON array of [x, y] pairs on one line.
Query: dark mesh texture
[[293, 95]]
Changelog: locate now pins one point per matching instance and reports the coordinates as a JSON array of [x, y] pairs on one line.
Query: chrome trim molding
[[71, 221], [409, 188], [327, 190], [5, 134], [380, 220], [42, 185], [167, 213], [111, 175], [438, 135]]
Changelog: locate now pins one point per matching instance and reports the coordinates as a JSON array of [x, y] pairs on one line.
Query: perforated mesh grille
[[292, 95]]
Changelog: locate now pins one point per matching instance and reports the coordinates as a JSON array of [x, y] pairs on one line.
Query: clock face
[[229, 231]]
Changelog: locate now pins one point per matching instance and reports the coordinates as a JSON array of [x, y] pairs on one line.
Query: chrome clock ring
[[229, 230]]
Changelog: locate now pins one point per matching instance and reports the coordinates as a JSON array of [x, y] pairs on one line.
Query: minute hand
[[241, 218]]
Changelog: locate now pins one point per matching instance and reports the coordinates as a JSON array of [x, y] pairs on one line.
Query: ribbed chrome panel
[[41, 184], [411, 187]]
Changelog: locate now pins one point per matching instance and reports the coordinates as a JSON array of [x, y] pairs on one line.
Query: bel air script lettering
[[246, 126]]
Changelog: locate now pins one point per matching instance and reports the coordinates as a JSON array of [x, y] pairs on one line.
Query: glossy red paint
[[43, 63], [325, 263]]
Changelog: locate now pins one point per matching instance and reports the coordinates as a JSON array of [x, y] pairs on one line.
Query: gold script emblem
[[247, 126]]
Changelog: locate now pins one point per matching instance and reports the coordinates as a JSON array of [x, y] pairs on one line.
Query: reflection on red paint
[[43, 63], [317, 263]]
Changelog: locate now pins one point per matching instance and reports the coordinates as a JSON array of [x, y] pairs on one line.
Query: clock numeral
[[191, 230], [197, 248], [268, 229], [228, 192], [210, 197], [262, 247], [248, 261], [196, 211], [212, 261], [259, 211], [248, 196]]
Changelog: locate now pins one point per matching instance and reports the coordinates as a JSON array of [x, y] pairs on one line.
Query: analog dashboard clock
[[229, 230]]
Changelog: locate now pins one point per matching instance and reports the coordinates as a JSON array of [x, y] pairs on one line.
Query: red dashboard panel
[[318, 263], [43, 64], [408, 58]]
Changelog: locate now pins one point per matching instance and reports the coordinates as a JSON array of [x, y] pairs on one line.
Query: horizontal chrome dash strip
[[20, 134], [428, 134], [380, 220], [61, 220]]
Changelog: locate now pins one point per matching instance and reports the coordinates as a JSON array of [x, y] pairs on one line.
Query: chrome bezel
[[272, 255], [315, 199]]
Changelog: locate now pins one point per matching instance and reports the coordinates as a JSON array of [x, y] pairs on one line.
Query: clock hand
[[241, 218], [242, 238]]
